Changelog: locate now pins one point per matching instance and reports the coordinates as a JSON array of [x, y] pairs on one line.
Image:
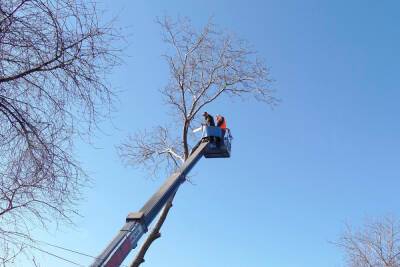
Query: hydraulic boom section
[[137, 223]]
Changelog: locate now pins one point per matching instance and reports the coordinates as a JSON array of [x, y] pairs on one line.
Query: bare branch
[[54, 57], [377, 243], [153, 151]]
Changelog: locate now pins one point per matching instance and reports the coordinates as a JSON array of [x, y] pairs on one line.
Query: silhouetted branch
[[377, 243], [54, 56]]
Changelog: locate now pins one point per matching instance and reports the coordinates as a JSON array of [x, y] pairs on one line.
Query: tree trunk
[[185, 141]]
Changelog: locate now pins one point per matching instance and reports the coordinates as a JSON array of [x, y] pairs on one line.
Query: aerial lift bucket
[[220, 146]]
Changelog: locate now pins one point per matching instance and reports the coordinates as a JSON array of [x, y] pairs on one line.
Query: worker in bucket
[[221, 123], [208, 119]]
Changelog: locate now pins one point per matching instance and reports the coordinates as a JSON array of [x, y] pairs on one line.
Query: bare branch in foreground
[[54, 57]]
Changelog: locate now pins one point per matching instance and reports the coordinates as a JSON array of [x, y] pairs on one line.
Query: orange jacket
[[221, 122]]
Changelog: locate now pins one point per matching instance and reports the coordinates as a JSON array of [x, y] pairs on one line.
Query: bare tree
[[54, 56], [204, 66], [376, 244]]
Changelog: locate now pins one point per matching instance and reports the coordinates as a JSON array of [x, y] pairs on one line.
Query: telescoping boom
[[137, 222]]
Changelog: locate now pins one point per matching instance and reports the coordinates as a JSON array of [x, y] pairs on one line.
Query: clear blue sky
[[329, 153]]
